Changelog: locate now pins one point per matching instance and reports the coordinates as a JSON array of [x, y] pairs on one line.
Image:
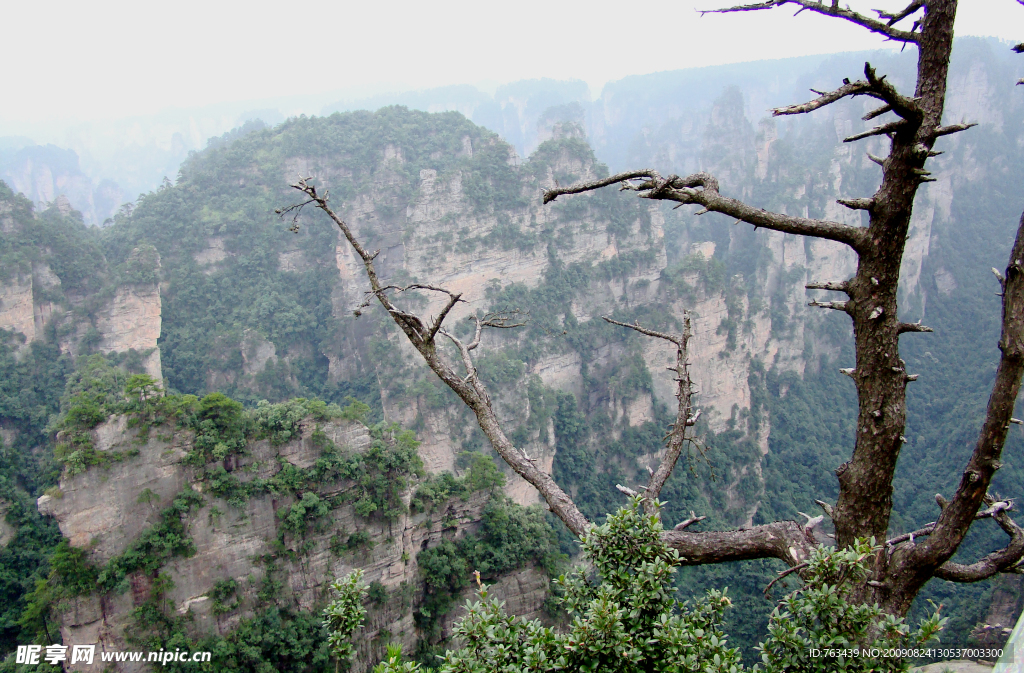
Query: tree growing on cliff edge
[[864, 506]]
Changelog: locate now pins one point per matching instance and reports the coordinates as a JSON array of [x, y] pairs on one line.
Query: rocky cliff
[[251, 544], [53, 282]]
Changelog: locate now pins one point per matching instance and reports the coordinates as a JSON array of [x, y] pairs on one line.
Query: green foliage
[[220, 595], [355, 410], [142, 390], [382, 472], [824, 615], [509, 537], [25, 563], [280, 422], [96, 390], [274, 639], [220, 427], [393, 663], [142, 267], [306, 514], [435, 490], [32, 382], [345, 614], [377, 594], [62, 242]]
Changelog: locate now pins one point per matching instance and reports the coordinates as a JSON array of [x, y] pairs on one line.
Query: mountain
[[245, 307], [45, 172]]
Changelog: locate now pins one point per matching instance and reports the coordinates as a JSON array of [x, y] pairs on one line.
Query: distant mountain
[[45, 172]]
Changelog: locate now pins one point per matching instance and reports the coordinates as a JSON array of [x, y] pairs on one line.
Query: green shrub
[[625, 618]]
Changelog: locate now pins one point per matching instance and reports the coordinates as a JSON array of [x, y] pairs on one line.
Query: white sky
[[92, 60]]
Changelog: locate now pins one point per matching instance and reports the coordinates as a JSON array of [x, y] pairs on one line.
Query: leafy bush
[[303, 515], [345, 614], [823, 614], [482, 475], [624, 616]]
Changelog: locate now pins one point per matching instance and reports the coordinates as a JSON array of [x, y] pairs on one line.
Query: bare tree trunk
[[865, 482]]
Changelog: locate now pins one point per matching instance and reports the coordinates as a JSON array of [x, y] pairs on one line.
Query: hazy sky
[[79, 60]]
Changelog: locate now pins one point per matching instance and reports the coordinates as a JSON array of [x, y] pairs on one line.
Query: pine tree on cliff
[[902, 564]]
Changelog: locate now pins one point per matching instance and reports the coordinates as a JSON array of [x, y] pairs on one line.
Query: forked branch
[[957, 515], [1006, 559], [469, 388], [873, 86], [685, 418]]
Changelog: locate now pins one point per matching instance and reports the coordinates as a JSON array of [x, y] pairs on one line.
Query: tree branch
[[842, 286], [874, 86], [955, 518], [899, 16], [834, 305], [784, 540], [469, 389], [684, 418], [848, 89], [453, 299], [929, 528], [686, 523], [905, 327], [884, 129], [832, 10], [784, 573], [952, 128], [702, 189], [857, 204], [552, 194], [1003, 560]]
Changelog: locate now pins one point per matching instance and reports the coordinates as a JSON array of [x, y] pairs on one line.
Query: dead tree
[[863, 509], [865, 481]]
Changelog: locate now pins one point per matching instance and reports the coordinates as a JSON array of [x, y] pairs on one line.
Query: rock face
[[17, 307], [104, 509], [131, 320], [7, 531], [125, 316]]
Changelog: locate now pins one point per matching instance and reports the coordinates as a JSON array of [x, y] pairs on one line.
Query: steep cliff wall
[[251, 543], [51, 281]]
